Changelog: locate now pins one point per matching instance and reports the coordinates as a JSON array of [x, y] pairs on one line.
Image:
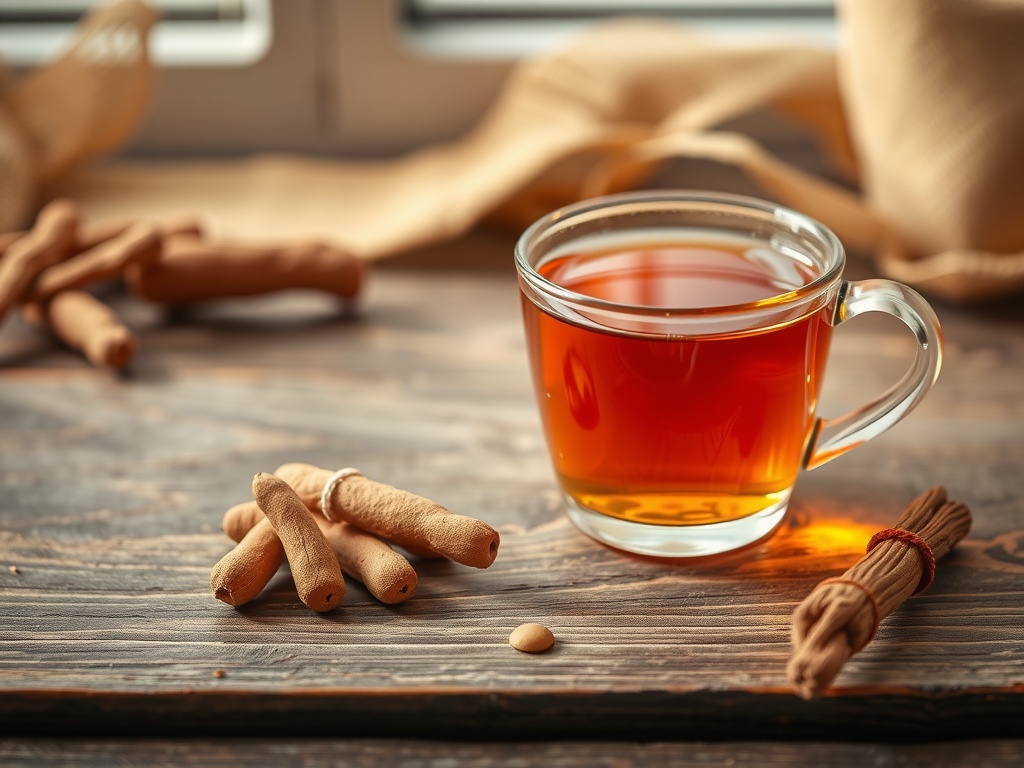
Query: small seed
[[14, 569], [219, 673], [531, 638]]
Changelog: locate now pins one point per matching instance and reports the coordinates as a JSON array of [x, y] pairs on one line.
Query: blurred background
[[363, 78]]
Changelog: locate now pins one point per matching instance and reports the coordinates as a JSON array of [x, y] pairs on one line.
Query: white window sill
[[172, 44], [510, 39]]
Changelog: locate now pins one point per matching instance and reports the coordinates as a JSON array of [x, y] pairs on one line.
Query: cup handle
[[834, 437]]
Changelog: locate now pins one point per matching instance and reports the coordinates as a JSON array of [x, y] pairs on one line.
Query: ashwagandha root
[[43, 270], [841, 614], [9, 238], [244, 571], [410, 521], [314, 567], [50, 241], [84, 323], [91, 235], [193, 270], [387, 575], [240, 519], [140, 244]]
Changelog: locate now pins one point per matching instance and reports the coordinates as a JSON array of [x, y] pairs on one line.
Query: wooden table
[[113, 491]]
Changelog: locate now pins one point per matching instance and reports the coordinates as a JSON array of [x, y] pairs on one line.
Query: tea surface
[[668, 430], [679, 276]]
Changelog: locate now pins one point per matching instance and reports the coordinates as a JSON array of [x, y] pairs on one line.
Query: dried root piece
[[241, 519], [49, 242], [7, 239], [841, 614], [139, 244], [387, 575], [314, 567], [86, 324], [244, 571], [91, 235], [410, 521], [192, 270]]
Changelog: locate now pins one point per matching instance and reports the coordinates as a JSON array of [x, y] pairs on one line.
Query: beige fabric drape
[[923, 105], [935, 97], [86, 102]]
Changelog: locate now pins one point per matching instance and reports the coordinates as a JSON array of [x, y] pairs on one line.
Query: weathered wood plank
[[425, 754], [113, 491]]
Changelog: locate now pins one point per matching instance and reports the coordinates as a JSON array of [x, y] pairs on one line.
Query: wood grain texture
[[312, 753], [113, 491]]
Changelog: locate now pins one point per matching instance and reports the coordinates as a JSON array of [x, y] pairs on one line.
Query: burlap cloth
[[921, 114]]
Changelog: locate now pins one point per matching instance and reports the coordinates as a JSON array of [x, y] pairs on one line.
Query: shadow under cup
[[677, 344]]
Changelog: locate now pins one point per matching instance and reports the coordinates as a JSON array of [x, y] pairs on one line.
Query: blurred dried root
[[45, 270]]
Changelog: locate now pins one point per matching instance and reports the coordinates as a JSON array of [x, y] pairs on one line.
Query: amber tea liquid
[[674, 431]]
